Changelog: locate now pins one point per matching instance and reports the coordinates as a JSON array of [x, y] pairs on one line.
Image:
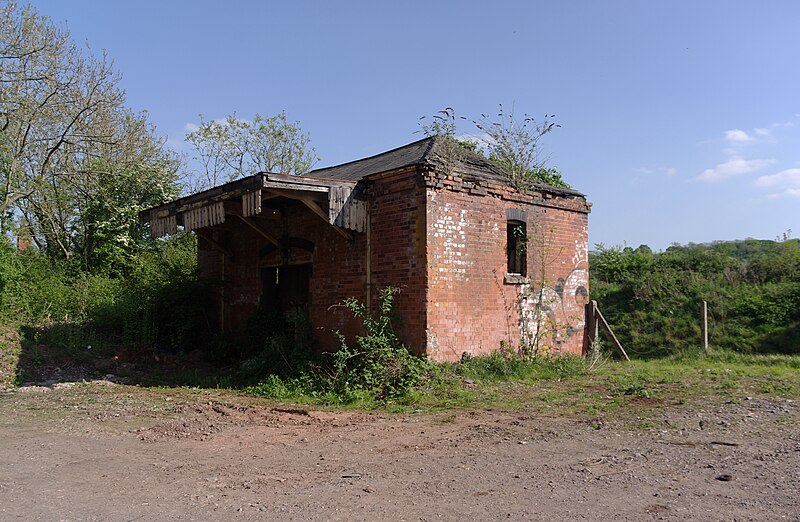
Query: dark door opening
[[285, 289]]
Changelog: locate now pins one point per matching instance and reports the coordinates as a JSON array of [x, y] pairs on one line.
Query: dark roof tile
[[429, 152]]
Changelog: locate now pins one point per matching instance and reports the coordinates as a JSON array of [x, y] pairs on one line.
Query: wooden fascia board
[[200, 199]]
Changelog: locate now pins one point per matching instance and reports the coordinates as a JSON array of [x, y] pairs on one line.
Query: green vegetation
[[567, 384], [376, 367], [653, 300], [159, 306], [86, 281], [236, 147], [76, 165], [510, 142]]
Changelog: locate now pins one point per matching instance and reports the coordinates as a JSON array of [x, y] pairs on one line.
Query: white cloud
[[650, 171], [737, 136], [784, 178], [734, 167], [761, 132], [190, 127], [176, 145], [788, 193]]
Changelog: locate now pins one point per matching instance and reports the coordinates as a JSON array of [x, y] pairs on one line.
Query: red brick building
[[479, 263]]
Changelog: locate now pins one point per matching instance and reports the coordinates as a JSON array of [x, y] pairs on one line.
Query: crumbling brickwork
[[474, 306], [443, 242], [479, 264]]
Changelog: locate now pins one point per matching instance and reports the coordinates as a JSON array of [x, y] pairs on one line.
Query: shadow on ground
[[46, 356]]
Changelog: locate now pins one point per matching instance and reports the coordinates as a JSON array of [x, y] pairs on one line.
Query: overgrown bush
[[280, 346], [160, 305], [653, 300], [377, 366], [506, 366], [378, 363]]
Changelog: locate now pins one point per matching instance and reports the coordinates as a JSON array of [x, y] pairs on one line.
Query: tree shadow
[[68, 352], [75, 352]]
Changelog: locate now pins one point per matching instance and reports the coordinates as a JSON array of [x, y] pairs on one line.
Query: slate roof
[[427, 152]]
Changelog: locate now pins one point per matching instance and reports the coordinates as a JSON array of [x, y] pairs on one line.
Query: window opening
[[516, 249]]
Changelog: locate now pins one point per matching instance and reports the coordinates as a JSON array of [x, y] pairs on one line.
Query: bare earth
[[103, 451]]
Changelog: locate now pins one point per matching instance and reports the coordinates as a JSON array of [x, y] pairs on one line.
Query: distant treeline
[[654, 300]]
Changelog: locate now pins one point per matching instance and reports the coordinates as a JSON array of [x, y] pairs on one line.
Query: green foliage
[[378, 363], [510, 366], [76, 165], [376, 367], [511, 143], [161, 305], [235, 147], [275, 345], [514, 145], [165, 305], [108, 234], [653, 301]]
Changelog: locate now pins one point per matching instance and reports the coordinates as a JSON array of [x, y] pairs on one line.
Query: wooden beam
[[259, 230], [215, 244], [599, 315], [272, 185], [315, 208], [312, 205], [297, 194]]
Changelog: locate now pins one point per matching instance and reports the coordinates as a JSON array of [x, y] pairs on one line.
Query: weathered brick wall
[[235, 277], [337, 273], [471, 306], [339, 265], [459, 299], [398, 251]]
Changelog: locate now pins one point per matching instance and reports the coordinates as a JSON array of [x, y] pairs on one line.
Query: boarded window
[[516, 241]]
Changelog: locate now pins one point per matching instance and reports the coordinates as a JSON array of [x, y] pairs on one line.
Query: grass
[[554, 385], [569, 385]]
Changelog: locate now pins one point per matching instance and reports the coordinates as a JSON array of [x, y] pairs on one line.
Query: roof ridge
[[430, 146], [407, 145]]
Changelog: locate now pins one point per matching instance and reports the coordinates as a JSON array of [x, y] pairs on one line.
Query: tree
[[234, 147], [514, 144], [63, 129], [130, 174]]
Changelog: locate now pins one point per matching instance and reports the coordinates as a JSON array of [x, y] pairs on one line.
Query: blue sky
[[680, 120]]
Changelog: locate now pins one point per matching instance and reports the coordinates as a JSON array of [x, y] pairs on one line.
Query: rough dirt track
[[120, 453]]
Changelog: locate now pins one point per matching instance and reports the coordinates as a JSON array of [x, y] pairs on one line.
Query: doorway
[[286, 289]]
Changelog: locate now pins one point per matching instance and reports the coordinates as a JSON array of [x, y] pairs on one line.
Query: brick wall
[[442, 241], [398, 250], [339, 265], [472, 306]]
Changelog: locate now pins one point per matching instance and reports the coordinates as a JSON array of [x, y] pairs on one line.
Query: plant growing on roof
[[514, 145], [449, 150]]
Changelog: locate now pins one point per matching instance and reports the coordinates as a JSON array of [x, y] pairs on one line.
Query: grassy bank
[[571, 385]]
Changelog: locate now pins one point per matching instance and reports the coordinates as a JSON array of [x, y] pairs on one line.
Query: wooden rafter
[[207, 237], [312, 205], [255, 226]]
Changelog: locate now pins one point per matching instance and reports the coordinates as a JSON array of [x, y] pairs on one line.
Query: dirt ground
[[111, 452]]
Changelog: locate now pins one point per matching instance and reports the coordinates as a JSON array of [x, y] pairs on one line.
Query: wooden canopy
[[332, 200]]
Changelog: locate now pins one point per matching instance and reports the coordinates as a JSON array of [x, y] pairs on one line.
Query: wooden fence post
[[705, 325]]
